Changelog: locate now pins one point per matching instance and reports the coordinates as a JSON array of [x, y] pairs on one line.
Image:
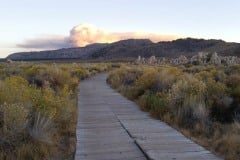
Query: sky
[[29, 25]]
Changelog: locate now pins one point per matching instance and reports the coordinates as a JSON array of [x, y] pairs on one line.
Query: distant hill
[[65, 53], [132, 48]]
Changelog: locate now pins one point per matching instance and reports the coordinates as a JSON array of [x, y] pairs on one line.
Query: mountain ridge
[[131, 48]]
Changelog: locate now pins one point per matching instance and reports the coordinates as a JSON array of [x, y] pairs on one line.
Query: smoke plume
[[86, 34]]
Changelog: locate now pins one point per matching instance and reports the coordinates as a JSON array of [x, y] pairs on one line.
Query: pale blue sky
[[25, 19]]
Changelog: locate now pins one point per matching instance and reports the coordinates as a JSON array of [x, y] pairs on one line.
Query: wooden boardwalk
[[110, 127]]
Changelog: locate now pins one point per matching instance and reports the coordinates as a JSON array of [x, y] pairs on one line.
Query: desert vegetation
[[38, 109], [201, 101]]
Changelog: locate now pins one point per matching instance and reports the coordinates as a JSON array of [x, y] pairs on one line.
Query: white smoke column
[[85, 34]]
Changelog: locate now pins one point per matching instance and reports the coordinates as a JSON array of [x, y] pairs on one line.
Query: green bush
[[159, 104]]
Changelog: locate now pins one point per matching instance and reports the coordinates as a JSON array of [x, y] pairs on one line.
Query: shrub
[[215, 89], [42, 129], [186, 87], [201, 101], [13, 119], [233, 81], [165, 79], [228, 144], [45, 101], [55, 76], [158, 104], [14, 89], [80, 73], [145, 81], [123, 76], [204, 75], [114, 78], [38, 112]]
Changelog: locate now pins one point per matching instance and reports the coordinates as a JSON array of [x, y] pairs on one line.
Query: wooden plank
[[100, 135], [128, 155], [110, 127]]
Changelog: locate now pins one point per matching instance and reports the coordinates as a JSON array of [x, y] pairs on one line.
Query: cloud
[[86, 34]]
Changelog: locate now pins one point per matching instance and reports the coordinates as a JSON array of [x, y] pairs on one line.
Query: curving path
[[110, 127]]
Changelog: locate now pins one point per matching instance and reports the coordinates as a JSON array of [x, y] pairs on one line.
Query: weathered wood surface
[[110, 127]]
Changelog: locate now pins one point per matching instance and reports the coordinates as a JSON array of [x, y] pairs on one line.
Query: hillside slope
[[133, 47], [65, 53]]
